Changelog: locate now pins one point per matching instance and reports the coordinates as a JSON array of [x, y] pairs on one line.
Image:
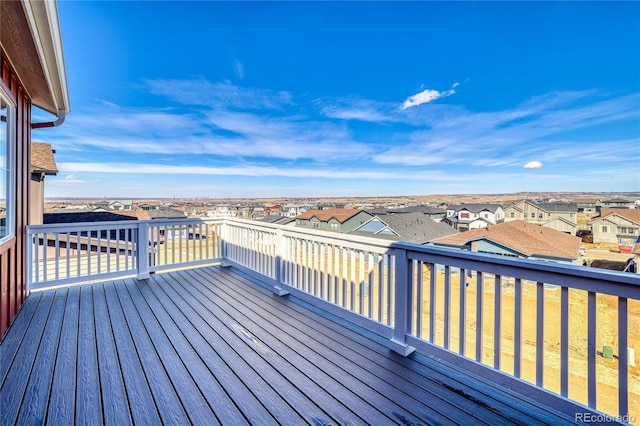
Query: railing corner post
[[142, 251], [402, 314]]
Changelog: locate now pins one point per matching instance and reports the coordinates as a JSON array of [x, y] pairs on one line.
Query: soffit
[[30, 38]]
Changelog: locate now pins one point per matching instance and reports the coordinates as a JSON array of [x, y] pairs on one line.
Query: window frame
[[10, 190]]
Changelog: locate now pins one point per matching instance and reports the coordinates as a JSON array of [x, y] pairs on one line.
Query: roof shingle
[[42, 159]]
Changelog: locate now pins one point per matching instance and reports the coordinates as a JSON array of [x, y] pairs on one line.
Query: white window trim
[[11, 162]]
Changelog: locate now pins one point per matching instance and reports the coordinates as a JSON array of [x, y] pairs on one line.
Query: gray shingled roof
[[412, 227]]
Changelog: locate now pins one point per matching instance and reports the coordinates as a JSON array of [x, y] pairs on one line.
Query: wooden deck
[[211, 346]]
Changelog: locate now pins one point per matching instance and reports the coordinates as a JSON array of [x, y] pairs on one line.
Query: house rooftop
[[630, 214], [42, 159], [475, 207], [523, 237], [341, 215]]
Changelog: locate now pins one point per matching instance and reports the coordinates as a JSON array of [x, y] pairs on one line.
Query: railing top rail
[[81, 226], [591, 279], [116, 224], [320, 235]]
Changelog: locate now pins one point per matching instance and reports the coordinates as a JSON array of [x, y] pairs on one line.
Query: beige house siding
[[614, 229]]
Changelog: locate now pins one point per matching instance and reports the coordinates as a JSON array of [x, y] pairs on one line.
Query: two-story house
[[560, 216], [616, 226], [587, 206], [333, 219], [464, 217], [293, 210], [621, 203]]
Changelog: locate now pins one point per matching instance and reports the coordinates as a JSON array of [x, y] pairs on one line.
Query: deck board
[[213, 346], [168, 404], [62, 403]]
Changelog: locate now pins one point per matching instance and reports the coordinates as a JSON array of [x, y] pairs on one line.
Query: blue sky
[[288, 99]]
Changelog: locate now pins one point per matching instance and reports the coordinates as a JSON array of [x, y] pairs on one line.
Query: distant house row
[[516, 237]]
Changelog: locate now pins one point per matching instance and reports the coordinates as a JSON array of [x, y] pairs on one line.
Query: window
[[533, 215], [604, 228], [464, 215], [6, 167], [513, 214]]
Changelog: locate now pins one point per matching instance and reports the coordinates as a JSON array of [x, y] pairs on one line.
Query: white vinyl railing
[[567, 329]]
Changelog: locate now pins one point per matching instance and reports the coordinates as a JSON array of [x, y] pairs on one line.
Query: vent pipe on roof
[[61, 116]]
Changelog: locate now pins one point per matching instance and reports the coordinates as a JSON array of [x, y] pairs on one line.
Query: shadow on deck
[[212, 346]]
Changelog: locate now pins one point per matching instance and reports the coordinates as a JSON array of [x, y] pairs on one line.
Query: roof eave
[[32, 42]]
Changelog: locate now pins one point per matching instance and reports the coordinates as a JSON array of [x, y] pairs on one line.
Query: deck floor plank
[[186, 388], [257, 367], [215, 346], [14, 386], [166, 399], [34, 402], [63, 388], [88, 394], [336, 350], [114, 396], [338, 381], [13, 340], [142, 405]]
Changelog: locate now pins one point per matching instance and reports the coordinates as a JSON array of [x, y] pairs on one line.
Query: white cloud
[[71, 177], [426, 96], [533, 165]]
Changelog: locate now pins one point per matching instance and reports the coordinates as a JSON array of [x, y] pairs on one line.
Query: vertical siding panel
[[4, 291], [13, 253]]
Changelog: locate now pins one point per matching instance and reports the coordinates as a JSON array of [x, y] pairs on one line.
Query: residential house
[[32, 74], [42, 164], [223, 210], [412, 227], [621, 203], [560, 216], [293, 210], [464, 217], [518, 239], [121, 205], [274, 210], [616, 226], [333, 219], [149, 205], [587, 206]]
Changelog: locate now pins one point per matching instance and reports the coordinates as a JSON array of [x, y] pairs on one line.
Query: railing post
[[142, 251], [280, 253], [30, 249], [402, 314], [224, 236]]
